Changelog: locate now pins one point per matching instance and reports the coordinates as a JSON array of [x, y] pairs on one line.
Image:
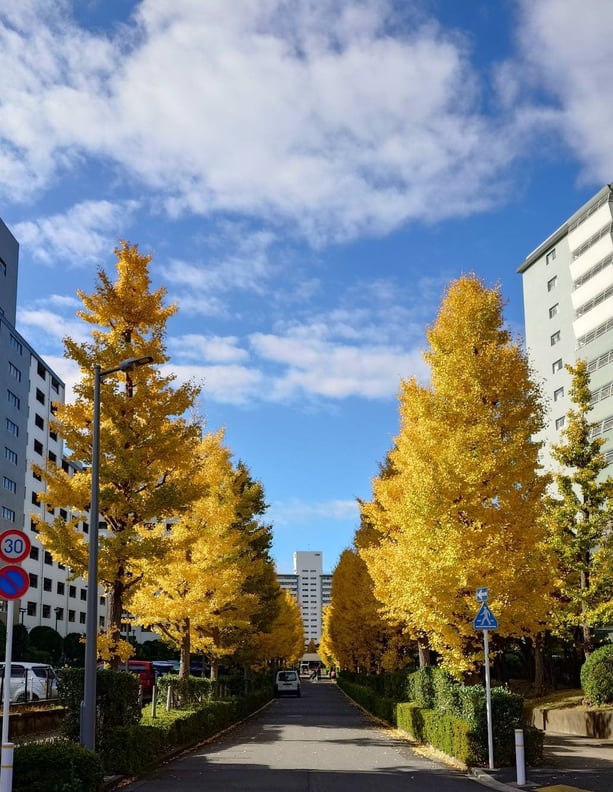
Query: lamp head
[[131, 363]]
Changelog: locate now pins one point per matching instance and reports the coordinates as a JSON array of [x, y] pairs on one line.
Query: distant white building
[[568, 306], [311, 588]]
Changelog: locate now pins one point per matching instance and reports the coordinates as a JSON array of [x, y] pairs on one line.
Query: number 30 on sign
[[14, 546]]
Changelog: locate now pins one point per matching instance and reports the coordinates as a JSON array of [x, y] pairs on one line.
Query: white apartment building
[[568, 306], [28, 388], [312, 590]]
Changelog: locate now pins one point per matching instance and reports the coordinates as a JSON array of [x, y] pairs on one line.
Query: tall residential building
[[568, 306], [28, 388], [311, 588]]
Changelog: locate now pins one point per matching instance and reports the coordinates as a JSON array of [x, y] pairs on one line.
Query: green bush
[[420, 687], [457, 723], [194, 691], [116, 697], [59, 766], [131, 750], [597, 675]]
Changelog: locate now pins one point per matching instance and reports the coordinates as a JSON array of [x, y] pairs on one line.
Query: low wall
[[37, 722], [582, 723]]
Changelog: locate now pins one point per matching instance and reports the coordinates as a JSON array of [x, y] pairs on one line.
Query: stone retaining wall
[[582, 723]]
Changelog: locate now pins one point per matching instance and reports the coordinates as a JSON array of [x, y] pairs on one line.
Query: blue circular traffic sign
[[14, 582]]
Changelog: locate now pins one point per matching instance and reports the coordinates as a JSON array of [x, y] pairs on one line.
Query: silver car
[[30, 682]]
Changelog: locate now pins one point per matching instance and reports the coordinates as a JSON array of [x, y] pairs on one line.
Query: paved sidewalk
[[571, 764]]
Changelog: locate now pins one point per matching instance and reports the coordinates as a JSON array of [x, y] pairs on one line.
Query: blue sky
[[309, 175]]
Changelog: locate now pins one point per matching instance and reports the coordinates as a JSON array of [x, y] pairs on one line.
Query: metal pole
[[488, 700], [88, 705], [6, 774]]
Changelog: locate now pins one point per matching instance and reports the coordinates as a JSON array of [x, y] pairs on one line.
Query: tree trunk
[[424, 651], [185, 653], [586, 630], [538, 643]]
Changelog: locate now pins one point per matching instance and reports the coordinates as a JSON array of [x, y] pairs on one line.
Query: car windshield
[[287, 676]]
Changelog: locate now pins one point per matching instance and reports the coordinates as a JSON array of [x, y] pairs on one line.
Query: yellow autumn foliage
[[460, 503]]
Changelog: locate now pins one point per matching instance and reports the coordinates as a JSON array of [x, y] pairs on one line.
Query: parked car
[[161, 667], [145, 672], [287, 682], [30, 682]]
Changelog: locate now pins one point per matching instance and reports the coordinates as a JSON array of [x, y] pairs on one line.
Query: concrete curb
[[482, 776]]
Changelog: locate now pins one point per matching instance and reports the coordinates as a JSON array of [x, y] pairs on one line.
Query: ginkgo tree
[[200, 592], [283, 642], [580, 520], [459, 506], [147, 444]]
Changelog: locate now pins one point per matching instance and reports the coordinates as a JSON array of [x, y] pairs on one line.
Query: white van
[[287, 682], [30, 682]]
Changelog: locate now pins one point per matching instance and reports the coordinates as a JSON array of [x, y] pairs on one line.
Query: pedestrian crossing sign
[[485, 619]]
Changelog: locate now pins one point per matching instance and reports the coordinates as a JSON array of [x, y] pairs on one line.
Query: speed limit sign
[[14, 546]]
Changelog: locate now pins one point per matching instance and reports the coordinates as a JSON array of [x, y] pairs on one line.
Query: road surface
[[320, 742]]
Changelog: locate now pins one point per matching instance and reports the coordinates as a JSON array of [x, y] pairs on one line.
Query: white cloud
[[50, 326], [329, 115], [78, 237], [212, 349], [568, 49], [295, 512], [68, 371]]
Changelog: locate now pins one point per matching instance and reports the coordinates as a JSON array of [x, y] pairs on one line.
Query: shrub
[[59, 766], [597, 675], [116, 695]]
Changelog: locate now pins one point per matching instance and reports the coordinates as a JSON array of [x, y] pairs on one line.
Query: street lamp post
[[88, 705]]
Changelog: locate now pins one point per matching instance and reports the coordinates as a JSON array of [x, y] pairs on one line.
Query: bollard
[[519, 757], [6, 771], [168, 698], [153, 702]]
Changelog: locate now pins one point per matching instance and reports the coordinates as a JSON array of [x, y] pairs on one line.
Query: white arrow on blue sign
[[481, 594], [485, 619]]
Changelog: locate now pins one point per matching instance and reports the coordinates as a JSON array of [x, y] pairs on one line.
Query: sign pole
[[6, 770], [488, 699]]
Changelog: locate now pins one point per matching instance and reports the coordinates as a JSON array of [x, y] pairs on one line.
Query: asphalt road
[[320, 742]]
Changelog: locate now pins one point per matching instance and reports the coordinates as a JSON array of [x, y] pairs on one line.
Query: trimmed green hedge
[[597, 675], [453, 718], [133, 749], [59, 766]]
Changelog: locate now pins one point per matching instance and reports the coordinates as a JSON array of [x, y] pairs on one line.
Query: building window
[[2, 266], [34, 553], [33, 580], [31, 608], [555, 338], [61, 587], [551, 256], [14, 372], [48, 558], [558, 394], [8, 514], [47, 585], [560, 422], [552, 283], [553, 311], [81, 617], [52, 456], [46, 611], [556, 365], [39, 421], [13, 399], [59, 613], [38, 447], [55, 385], [12, 427], [33, 526], [40, 396], [72, 591], [16, 344], [41, 370], [34, 498], [10, 455], [83, 594], [9, 484], [71, 615]]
